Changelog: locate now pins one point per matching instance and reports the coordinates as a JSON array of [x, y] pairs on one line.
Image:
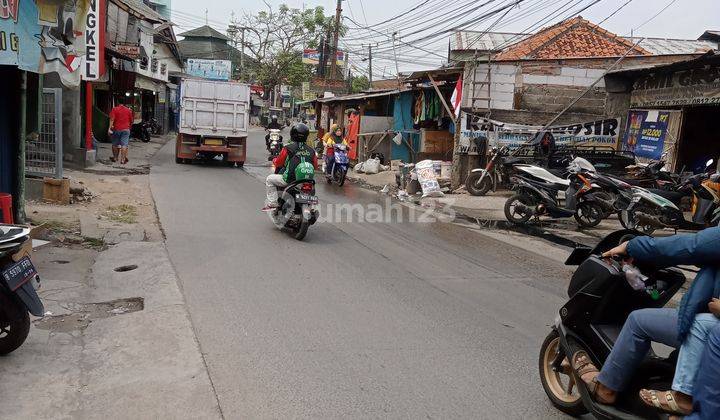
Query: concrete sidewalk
[[116, 341], [115, 344]]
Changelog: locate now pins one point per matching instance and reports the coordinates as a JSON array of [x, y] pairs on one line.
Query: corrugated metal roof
[[204, 31], [140, 8], [358, 96], [663, 46], [484, 41]]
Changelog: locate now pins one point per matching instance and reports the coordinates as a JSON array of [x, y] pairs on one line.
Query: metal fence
[[43, 154]]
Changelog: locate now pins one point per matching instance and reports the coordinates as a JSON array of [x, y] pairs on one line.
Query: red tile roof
[[572, 38]]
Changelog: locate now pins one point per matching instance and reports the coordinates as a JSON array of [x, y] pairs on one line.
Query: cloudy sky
[[423, 32]]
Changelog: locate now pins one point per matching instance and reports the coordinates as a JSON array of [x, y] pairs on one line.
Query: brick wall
[[549, 85]]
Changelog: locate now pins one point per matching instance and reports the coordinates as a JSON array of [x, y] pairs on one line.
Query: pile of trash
[[79, 193], [371, 166]]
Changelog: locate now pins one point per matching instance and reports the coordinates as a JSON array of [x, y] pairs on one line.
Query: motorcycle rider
[[286, 162], [335, 137], [668, 326], [273, 125]]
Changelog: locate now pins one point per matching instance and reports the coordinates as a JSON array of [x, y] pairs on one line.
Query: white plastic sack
[[359, 167], [371, 166], [428, 180]]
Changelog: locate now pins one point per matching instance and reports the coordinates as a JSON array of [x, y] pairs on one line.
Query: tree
[[359, 84], [276, 38]]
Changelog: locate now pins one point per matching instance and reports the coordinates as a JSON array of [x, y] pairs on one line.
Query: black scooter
[[603, 293], [18, 280]]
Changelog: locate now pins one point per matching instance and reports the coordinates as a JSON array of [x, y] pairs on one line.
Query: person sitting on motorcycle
[[706, 391], [286, 162], [273, 125], [663, 325], [335, 137]]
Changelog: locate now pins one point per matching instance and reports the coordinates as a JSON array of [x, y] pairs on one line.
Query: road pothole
[[125, 268], [83, 314]]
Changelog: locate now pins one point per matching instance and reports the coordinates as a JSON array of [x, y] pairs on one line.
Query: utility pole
[[336, 35], [370, 64], [397, 68], [242, 52]]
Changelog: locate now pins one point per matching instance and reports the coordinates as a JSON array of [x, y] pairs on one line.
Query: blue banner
[[645, 133]]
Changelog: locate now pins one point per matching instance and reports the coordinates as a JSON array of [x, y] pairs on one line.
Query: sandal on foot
[[668, 406], [582, 365]]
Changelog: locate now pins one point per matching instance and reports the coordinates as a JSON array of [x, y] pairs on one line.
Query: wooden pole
[[442, 98]]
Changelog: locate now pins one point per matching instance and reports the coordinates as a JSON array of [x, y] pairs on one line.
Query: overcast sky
[[686, 19]]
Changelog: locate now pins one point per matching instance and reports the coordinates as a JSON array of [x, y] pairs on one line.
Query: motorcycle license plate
[[306, 199], [19, 273]]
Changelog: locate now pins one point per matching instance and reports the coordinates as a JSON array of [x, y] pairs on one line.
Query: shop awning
[[142, 82]]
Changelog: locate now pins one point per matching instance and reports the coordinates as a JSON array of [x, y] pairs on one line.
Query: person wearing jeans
[[121, 119], [663, 325], [706, 391]]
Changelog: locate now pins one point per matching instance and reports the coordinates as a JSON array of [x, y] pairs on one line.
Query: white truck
[[214, 118]]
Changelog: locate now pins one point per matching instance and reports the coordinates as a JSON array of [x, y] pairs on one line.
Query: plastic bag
[[359, 167], [428, 180], [371, 166]]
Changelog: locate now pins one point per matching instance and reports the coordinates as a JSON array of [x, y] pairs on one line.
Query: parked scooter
[[538, 190], [652, 175], [603, 293], [649, 211], [275, 144], [297, 203], [496, 173], [18, 281], [141, 131], [339, 166]]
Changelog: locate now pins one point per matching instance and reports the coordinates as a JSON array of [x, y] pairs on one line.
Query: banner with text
[[645, 133], [602, 132]]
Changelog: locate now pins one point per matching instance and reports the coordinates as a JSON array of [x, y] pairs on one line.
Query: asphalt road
[[362, 319]]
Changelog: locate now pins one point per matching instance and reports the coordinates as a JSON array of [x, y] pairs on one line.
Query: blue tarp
[[402, 113]]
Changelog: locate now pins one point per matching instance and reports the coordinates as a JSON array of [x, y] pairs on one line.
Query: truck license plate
[[213, 142]]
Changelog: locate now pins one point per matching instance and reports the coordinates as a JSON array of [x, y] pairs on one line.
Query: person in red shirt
[[121, 119]]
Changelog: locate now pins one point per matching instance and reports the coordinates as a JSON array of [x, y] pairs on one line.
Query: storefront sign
[[592, 133], [645, 133], [699, 86], [209, 69], [30, 39], [94, 41], [128, 49]]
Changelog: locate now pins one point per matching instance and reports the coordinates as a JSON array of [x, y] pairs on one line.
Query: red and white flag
[[456, 98]]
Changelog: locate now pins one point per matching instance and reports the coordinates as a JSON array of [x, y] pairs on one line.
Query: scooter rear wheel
[[14, 325], [517, 209], [559, 385]]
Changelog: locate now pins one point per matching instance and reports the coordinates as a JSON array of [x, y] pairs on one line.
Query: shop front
[[672, 111]]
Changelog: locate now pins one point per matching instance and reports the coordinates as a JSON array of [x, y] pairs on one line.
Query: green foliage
[[359, 84], [275, 38]]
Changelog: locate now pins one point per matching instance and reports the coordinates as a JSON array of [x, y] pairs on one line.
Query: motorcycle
[[297, 205], [652, 176], [18, 281], [538, 190], [648, 211], [339, 166], [602, 294], [154, 126], [496, 173], [141, 131], [275, 144]]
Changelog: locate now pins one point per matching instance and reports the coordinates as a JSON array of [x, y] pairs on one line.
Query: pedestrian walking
[[121, 118]]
